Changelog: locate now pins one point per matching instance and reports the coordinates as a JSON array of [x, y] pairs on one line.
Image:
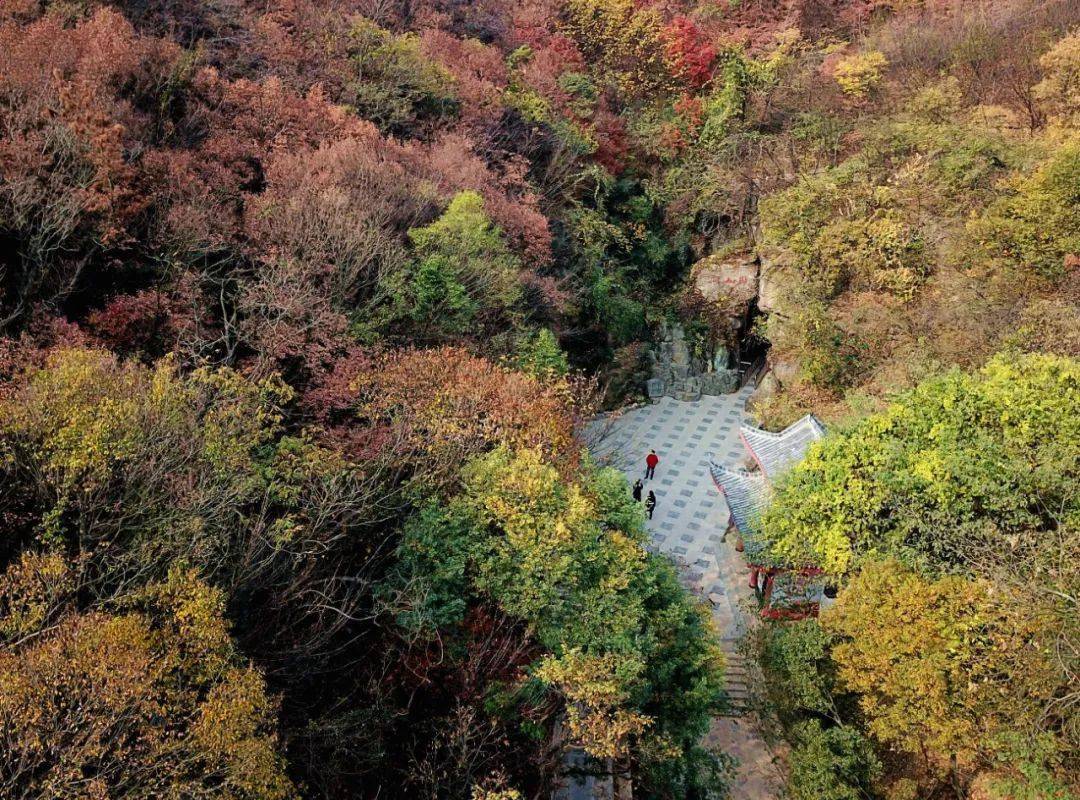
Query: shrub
[[795, 219], [464, 272], [625, 43], [859, 74], [622, 317], [437, 409], [828, 357], [691, 54], [883, 251], [396, 86], [1059, 90], [835, 763], [797, 666], [1036, 224], [539, 354]]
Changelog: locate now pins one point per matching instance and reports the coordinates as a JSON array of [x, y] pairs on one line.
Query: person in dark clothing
[[651, 460], [637, 490], [650, 503]]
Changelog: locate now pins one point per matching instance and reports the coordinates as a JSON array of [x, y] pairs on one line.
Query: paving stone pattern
[[688, 525]]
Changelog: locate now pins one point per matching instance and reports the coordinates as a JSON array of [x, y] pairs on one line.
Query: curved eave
[[746, 494], [775, 453]]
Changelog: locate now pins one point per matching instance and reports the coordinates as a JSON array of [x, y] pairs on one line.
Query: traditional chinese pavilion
[[786, 593]]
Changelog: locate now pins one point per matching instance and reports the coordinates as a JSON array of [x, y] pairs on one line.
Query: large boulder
[[721, 358], [766, 390], [785, 370], [727, 279], [680, 351], [688, 397]]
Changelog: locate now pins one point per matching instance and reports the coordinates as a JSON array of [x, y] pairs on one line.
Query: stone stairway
[[737, 678]]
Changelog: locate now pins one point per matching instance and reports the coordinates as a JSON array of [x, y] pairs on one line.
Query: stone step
[[736, 706], [737, 678]]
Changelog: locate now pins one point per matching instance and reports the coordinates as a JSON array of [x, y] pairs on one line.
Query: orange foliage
[[57, 82], [479, 72], [283, 39], [339, 211], [436, 409]]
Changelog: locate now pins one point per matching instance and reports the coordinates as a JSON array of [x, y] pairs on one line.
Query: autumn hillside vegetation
[[948, 663], [304, 303]]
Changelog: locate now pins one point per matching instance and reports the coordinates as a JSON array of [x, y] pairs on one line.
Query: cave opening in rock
[[751, 347]]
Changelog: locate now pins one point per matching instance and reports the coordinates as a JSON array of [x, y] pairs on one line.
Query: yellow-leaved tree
[[1059, 90], [146, 698], [631, 661], [941, 666]]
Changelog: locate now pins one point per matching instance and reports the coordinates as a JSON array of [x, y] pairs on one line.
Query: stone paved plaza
[[688, 524], [690, 515]]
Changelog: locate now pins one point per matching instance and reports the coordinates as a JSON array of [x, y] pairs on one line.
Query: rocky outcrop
[[770, 281], [766, 390], [728, 283], [731, 283], [676, 374], [730, 280], [786, 370], [774, 299]]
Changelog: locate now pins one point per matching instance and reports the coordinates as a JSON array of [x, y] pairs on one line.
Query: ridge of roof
[[808, 421], [776, 452]]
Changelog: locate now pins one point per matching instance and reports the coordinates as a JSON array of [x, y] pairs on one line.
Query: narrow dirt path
[[688, 525]]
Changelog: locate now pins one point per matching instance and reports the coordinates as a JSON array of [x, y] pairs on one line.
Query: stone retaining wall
[[675, 373]]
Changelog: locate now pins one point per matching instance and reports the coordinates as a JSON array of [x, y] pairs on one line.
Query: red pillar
[[767, 592]]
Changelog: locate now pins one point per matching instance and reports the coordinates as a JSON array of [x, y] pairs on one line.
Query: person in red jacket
[[651, 460]]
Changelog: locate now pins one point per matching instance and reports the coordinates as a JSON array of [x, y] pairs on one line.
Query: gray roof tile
[[747, 494], [776, 452]]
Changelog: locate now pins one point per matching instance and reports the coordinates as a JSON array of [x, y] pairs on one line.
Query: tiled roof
[[776, 452], [747, 494]]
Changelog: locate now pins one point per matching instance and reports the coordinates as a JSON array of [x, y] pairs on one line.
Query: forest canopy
[[304, 308], [951, 522]]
